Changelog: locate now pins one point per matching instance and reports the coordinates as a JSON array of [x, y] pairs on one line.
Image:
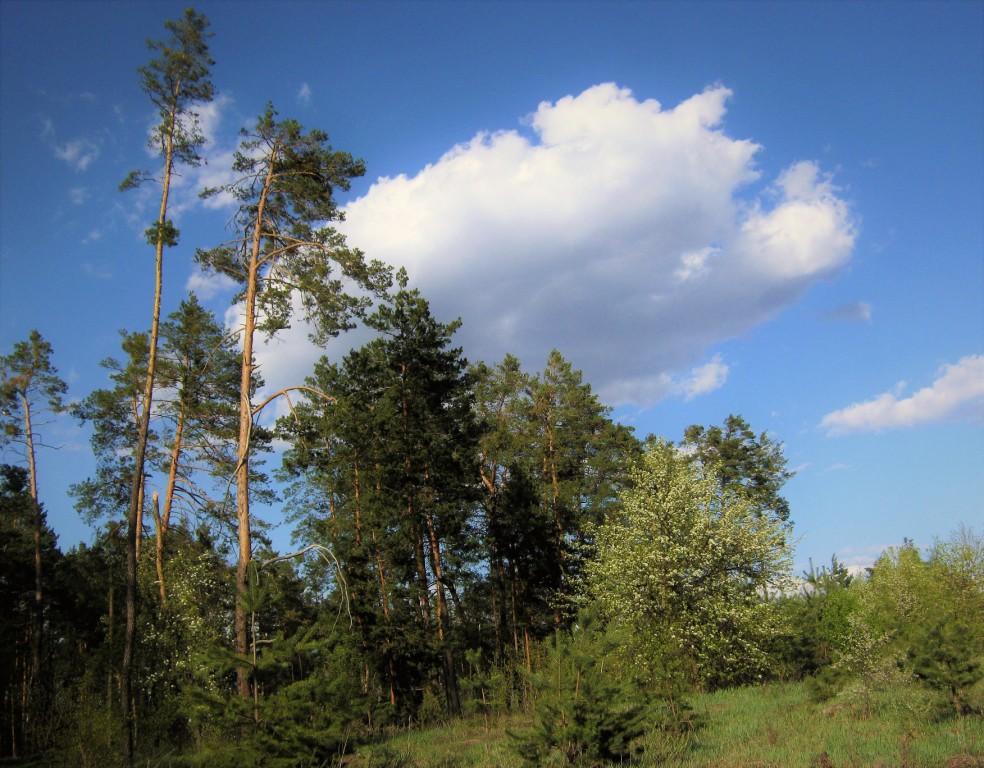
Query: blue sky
[[775, 210]]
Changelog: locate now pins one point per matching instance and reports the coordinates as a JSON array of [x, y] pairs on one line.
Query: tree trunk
[[419, 561], [164, 520], [558, 525], [489, 480], [134, 518], [112, 621], [443, 624], [37, 623], [245, 429]]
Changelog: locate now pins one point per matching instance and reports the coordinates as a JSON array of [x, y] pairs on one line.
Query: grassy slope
[[775, 726]]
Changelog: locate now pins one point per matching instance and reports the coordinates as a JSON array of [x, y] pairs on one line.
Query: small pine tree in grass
[[943, 657], [300, 721], [587, 714]]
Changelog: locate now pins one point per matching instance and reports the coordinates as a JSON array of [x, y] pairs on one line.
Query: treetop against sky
[[771, 210]]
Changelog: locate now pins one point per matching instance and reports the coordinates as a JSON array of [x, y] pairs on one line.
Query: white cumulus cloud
[[623, 233], [304, 94], [958, 391]]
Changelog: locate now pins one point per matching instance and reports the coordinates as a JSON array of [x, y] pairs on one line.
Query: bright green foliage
[[685, 566], [758, 726], [817, 621], [922, 619], [587, 712], [313, 704], [579, 460], [751, 465]]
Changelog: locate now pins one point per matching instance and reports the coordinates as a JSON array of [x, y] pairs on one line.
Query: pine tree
[[750, 464], [580, 462], [200, 367], [29, 383], [175, 82], [287, 179], [115, 414], [587, 713], [396, 456]]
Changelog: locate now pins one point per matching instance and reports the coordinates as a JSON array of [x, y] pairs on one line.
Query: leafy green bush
[[917, 619], [816, 622], [684, 568]]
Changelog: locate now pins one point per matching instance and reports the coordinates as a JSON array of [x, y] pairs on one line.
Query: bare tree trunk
[[112, 622], [443, 625], [163, 521], [140, 516], [495, 559], [245, 430], [419, 561], [558, 525], [134, 516], [37, 623]]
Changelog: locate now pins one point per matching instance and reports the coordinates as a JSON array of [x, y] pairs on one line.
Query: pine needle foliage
[[587, 714]]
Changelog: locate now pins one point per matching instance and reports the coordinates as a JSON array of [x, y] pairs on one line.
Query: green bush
[[917, 620]]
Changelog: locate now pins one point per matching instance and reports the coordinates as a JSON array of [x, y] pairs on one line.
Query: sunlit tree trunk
[[245, 429], [134, 517]]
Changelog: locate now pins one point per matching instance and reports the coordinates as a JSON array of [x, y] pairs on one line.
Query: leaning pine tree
[[285, 251], [175, 81]]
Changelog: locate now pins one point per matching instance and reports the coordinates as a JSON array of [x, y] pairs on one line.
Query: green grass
[[774, 726]]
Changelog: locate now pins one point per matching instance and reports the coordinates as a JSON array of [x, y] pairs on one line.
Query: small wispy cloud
[[78, 195], [78, 153], [852, 312], [205, 286], [705, 378], [47, 128], [88, 96], [958, 391], [93, 236], [858, 559], [304, 94], [698, 381], [97, 271], [693, 264]]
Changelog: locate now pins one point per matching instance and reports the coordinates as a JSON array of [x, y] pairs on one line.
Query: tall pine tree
[[283, 249], [175, 82]]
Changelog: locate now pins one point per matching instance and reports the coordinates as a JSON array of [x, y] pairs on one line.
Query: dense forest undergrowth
[[476, 544]]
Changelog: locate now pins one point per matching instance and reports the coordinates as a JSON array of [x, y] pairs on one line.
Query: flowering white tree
[[687, 569]]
